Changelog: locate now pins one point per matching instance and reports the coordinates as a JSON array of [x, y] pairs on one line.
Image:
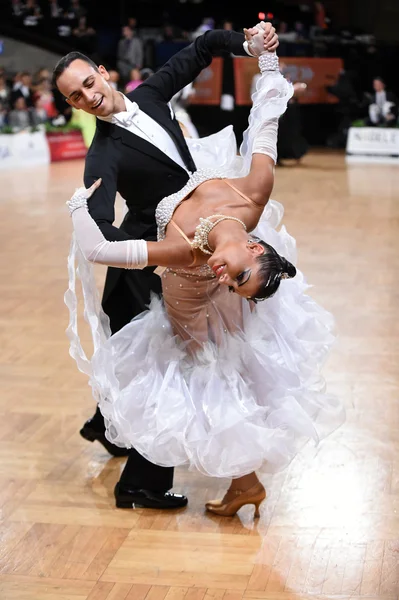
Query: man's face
[[20, 104], [87, 89], [378, 85], [26, 80]]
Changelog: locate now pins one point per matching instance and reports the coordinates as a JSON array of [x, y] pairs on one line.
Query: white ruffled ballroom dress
[[205, 378]]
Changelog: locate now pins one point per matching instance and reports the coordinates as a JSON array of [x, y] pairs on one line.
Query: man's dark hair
[[273, 268], [66, 60]]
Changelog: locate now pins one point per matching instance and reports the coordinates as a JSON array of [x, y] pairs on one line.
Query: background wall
[[19, 56]]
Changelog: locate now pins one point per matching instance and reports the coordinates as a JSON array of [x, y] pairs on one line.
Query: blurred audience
[[207, 24], [114, 78], [179, 103], [347, 108], [84, 36], [304, 30], [284, 34], [383, 107], [228, 25], [5, 93], [39, 114], [43, 98], [135, 80], [75, 11], [23, 88], [31, 13], [130, 52], [146, 73], [54, 10], [19, 117], [291, 143]]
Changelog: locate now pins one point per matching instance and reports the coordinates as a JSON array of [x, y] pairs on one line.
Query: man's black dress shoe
[[126, 498], [90, 433]]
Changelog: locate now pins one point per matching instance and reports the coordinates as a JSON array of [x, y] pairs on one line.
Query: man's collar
[[129, 105]]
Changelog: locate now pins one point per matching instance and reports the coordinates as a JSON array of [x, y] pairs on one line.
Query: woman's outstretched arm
[[125, 254], [259, 147]]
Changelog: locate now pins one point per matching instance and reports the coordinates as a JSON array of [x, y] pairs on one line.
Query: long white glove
[[126, 254], [266, 138], [271, 89]]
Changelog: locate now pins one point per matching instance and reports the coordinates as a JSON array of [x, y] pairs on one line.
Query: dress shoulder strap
[[175, 225], [242, 194]]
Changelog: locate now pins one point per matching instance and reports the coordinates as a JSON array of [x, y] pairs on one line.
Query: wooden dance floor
[[330, 525]]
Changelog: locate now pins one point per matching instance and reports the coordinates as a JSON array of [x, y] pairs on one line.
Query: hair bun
[[288, 269]]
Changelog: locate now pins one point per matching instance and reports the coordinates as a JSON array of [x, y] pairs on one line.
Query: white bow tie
[[126, 117]]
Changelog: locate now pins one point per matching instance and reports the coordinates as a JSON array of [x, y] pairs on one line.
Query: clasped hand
[[261, 38]]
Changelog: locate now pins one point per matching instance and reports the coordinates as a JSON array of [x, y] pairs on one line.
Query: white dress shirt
[[138, 122], [380, 99]]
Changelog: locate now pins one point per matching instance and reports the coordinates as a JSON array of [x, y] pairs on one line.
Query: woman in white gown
[[209, 378]]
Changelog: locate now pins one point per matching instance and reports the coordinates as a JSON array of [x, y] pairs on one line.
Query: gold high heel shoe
[[235, 499]]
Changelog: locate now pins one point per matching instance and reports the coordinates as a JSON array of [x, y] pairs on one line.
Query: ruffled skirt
[[207, 379]]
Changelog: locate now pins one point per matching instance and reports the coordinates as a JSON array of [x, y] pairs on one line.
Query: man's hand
[[261, 38]]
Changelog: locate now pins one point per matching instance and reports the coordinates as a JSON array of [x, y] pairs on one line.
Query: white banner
[[373, 141], [23, 149]]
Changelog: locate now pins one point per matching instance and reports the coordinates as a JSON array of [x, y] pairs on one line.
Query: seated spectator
[[39, 115], [170, 33], [207, 24], [83, 30], [284, 34], [32, 13], [85, 35], [383, 109], [135, 80], [132, 23], [114, 78], [227, 25], [63, 110], [75, 11], [44, 94], [23, 87], [18, 8], [301, 33], [19, 117], [16, 82], [3, 115], [54, 10], [320, 15], [5, 93], [146, 73], [38, 77]]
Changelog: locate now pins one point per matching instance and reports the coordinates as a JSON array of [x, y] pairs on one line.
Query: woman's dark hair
[[273, 268], [66, 60]]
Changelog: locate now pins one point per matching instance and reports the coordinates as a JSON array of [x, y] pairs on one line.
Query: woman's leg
[[244, 483]]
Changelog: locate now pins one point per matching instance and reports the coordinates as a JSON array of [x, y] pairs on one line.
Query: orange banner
[[317, 73], [208, 85]]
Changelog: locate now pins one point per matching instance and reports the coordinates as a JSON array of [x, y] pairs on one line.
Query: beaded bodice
[[167, 206]]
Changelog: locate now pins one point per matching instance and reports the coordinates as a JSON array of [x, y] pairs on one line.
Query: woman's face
[[236, 265], [135, 74]]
